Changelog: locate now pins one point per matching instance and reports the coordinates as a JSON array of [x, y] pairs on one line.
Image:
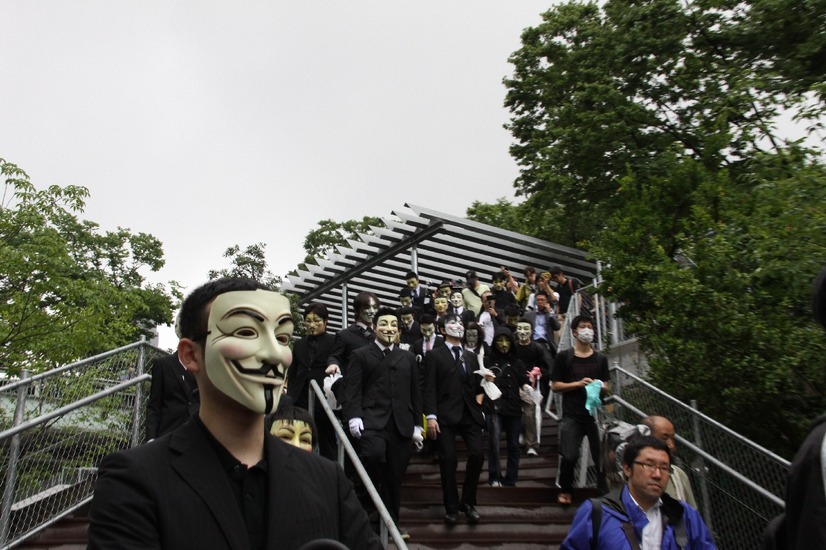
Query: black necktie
[[457, 353], [386, 352]]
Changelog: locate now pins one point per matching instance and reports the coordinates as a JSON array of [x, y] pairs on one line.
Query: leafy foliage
[[646, 131], [329, 234], [67, 290], [251, 263]]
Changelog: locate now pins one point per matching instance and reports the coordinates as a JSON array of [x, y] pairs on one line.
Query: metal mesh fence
[[739, 486], [58, 425]]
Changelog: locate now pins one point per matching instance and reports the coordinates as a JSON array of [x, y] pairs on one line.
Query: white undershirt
[[652, 534]]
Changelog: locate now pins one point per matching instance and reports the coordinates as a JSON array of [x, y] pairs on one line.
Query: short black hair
[[578, 319], [194, 311], [524, 320], [499, 276], [426, 319], [529, 270], [511, 310], [318, 309], [411, 275], [406, 310], [639, 442], [405, 292], [382, 311], [450, 316], [555, 270], [542, 293]]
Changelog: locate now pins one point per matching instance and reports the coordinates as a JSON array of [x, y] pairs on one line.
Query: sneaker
[[532, 452], [495, 483]]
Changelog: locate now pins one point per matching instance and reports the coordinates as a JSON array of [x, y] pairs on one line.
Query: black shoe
[[451, 519], [472, 515]]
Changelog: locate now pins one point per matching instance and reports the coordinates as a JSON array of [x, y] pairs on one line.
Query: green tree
[[599, 92], [647, 129], [251, 263], [67, 290], [329, 234]]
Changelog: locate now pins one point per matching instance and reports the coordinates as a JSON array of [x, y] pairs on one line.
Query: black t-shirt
[[570, 368], [566, 291]]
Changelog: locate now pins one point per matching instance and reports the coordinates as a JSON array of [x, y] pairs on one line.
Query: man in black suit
[[173, 396], [220, 481], [383, 408], [357, 335], [409, 330], [420, 296], [310, 356], [453, 397]]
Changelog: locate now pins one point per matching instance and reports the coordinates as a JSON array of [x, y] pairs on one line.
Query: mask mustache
[[264, 369]]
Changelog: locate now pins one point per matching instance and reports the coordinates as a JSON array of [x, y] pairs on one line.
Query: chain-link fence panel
[[738, 485], [56, 428]]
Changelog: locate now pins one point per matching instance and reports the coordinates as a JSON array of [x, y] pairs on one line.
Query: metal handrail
[[710, 458], [73, 406], [704, 417], [387, 521], [59, 370]]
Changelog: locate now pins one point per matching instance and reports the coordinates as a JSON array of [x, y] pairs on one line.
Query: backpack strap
[[596, 521], [673, 514], [614, 501]]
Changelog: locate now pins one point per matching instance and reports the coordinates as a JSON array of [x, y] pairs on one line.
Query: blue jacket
[[612, 537]]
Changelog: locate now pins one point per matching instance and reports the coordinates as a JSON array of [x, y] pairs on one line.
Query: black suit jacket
[[409, 336], [378, 386], [172, 396], [347, 341], [173, 493], [305, 368], [446, 394]]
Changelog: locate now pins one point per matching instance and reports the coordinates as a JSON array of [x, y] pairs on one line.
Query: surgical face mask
[[472, 337], [455, 329], [457, 300], [585, 335], [523, 332], [428, 330], [366, 315], [440, 305], [247, 349]]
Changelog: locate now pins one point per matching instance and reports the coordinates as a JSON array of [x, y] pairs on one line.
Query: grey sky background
[[214, 123]]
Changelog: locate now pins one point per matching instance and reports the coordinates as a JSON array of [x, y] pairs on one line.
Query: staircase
[[525, 517]]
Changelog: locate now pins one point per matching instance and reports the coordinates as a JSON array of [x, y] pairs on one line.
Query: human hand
[[356, 427], [332, 369], [432, 428]]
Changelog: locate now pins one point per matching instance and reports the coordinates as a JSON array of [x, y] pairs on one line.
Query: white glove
[[356, 427], [417, 437]]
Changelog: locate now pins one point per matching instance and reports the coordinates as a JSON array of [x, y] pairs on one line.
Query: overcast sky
[[214, 123]]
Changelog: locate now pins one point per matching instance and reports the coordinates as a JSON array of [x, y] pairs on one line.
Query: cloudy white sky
[[211, 123]]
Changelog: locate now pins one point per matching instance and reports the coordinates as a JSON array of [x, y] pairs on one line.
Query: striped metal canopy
[[437, 246]]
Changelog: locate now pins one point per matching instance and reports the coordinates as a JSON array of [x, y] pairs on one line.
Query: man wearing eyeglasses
[[640, 515]]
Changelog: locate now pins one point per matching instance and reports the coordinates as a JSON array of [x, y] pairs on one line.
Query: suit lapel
[[194, 459]]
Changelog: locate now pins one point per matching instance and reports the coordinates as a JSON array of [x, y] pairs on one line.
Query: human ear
[[190, 355]]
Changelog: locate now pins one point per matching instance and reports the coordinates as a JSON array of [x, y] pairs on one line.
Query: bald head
[[662, 429]]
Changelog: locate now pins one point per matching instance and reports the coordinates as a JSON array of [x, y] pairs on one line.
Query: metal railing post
[[14, 455], [136, 411], [698, 440]]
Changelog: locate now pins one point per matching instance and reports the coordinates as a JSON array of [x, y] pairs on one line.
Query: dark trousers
[[385, 455], [471, 433], [494, 429], [571, 433], [512, 426], [326, 435]]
